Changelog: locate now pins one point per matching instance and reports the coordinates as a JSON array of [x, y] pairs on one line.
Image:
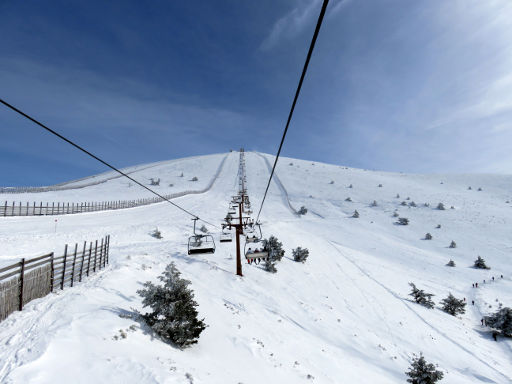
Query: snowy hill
[[342, 317]]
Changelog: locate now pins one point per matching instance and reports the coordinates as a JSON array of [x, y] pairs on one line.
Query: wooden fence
[[45, 209], [30, 279]]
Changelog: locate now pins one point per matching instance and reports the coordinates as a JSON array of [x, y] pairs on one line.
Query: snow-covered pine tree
[[356, 214], [480, 263], [421, 372], [421, 297], [270, 265], [156, 234], [453, 306], [501, 320], [300, 254], [274, 248], [174, 316]]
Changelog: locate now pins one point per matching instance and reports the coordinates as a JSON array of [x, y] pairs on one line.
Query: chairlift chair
[[226, 237], [255, 254], [200, 243]]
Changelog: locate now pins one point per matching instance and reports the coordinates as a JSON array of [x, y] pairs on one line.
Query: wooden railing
[[34, 278]]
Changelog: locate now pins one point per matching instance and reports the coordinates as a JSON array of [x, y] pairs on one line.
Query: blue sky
[[398, 85]]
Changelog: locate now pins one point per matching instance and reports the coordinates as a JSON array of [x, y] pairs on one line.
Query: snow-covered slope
[[342, 317]]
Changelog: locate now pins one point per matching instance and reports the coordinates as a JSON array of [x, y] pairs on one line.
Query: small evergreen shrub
[[156, 234], [174, 315], [501, 320], [380, 185], [421, 372], [403, 221], [350, 186], [453, 306], [426, 205], [412, 204], [438, 226], [453, 244], [270, 266], [421, 297], [469, 188], [404, 203], [356, 214], [440, 206], [303, 210], [348, 199], [194, 178], [154, 181], [408, 198], [397, 196], [451, 263], [181, 174], [274, 248], [374, 203], [428, 236], [300, 254], [479, 189], [480, 263], [332, 182], [395, 214]]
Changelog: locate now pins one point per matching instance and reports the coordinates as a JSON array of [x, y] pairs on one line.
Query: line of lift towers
[[238, 218]]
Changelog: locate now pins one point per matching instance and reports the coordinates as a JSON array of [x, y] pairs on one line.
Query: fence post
[[5, 208], [27, 210], [52, 272], [53, 206], [101, 254], [40, 208], [82, 264], [58, 208], [72, 207], [67, 209], [19, 213], [95, 255], [64, 266], [22, 275], [46, 212], [89, 261], [108, 246], [73, 268]]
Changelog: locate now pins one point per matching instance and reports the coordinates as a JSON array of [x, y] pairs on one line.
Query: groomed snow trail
[[343, 316]]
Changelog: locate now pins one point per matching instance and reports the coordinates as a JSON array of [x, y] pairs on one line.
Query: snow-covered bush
[[374, 203], [408, 198], [380, 185], [479, 189], [156, 234], [291, 164], [421, 372], [404, 203], [426, 205], [412, 204], [440, 206], [453, 306], [480, 263], [300, 254], [428, 236], [395, 214], [303, 210], [270, 266], [154, 181], [332, 182], [397, 196], [194, 178], [421, 297], [451, 263], [171, 185], [453, 244], [350, 186], [181, 174], [348, 199], [274, 248], [501, 320], [356, 214], [438, 226], [469, 188], [403, 221], [174, 315]]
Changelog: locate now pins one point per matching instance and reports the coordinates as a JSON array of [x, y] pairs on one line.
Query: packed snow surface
[[344, 316]]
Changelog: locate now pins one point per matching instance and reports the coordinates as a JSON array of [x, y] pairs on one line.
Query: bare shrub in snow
[[403, 221], [300, 254], [480, 263], [421, 372], [501, 320], [421, 297], [303, 210], [440, 206], [453, 244], [174, 315], [453, 306]]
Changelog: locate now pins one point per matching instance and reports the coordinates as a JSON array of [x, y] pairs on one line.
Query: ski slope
[[342, 317]]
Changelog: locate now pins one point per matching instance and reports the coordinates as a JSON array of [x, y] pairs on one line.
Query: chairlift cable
[[100, 160], [304, 70]]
